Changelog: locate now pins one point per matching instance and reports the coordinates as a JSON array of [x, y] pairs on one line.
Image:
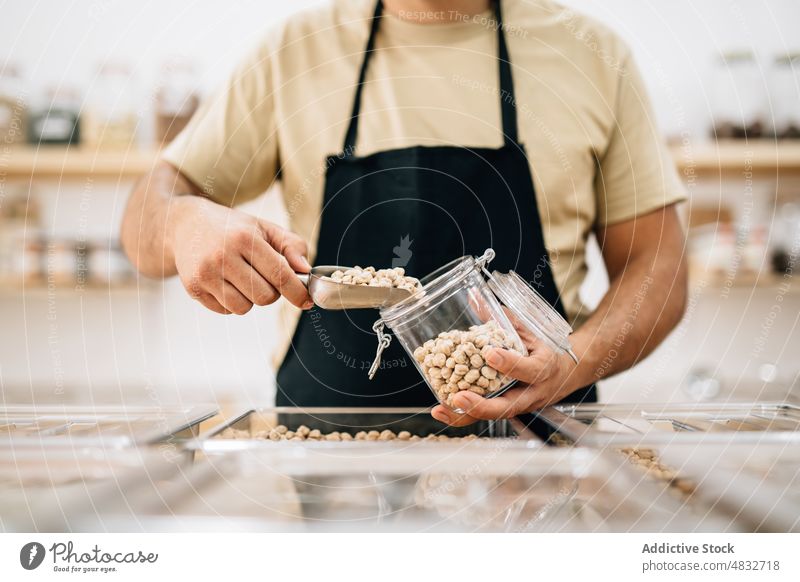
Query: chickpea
[[489, 372], [472, 376], [461, 369]]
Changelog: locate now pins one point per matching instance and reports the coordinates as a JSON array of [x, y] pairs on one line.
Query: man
[[419, 131]]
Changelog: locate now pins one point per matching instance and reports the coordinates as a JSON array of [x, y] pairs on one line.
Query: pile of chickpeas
[[303, 433], [371, 277], [647, 460], [456, 360]]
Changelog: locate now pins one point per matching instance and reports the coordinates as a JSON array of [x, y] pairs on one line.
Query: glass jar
[[61, 264], [177, 100], [111, 108], [57, 119], [739, 96], [785, 96], [532, 311], [107, 264], [12, 106], [456, 318], [449, 326]]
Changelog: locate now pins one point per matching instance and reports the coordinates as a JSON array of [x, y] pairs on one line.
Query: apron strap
[[352, 130], [508, 102]]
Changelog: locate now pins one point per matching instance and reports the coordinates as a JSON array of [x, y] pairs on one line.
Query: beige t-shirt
[[584, 116]]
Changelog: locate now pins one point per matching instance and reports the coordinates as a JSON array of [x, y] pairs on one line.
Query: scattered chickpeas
[[303, 433], [647, 460], [456, 360], [371, 277]]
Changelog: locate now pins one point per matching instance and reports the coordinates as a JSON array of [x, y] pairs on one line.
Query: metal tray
[[760, 482], [415, 420], [650, 424], [108, 426], [479, 486]]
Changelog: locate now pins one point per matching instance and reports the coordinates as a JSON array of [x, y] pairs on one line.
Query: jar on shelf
[[176, 100], [111, 115], [61, 262], [57, 119], [13, 110], [457, 317], [20, 218], [785, 95], [739, 96], [26, 258], [107, 264], [785, 235]]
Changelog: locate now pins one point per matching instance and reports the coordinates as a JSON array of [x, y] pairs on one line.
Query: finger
[[451, 417], [511, 363], [510, 404], [250, 283], [289, 245], [231, 298], [275, 269], [207, 300]]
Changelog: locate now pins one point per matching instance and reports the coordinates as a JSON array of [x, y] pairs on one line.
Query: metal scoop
[[328, 294]]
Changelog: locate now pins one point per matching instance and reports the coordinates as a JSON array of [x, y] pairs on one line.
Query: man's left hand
[[544, 377]]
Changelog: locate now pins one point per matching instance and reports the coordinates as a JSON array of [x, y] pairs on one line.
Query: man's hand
[[544, 378], [229, 260]]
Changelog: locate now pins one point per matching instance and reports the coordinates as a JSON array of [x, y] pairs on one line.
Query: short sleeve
[[229, 148], [636, 173]]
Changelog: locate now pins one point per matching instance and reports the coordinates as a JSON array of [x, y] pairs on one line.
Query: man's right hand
[[229, 260]]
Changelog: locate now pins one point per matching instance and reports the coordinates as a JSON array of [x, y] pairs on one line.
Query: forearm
[[643, 304], [146, 222]]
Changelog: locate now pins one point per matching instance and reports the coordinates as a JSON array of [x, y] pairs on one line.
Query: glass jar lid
[[532, 309]]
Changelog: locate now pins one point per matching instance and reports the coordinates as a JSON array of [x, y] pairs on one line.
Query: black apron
[[417, 207]]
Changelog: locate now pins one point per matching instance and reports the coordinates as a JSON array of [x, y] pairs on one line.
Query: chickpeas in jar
[[449, 326]]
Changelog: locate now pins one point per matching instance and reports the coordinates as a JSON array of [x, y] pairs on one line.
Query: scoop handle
[[304, 278]]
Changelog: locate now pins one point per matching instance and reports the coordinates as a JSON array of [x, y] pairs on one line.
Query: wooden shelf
[[18, 288], [61, 162], [736, 157], [57, 162]]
